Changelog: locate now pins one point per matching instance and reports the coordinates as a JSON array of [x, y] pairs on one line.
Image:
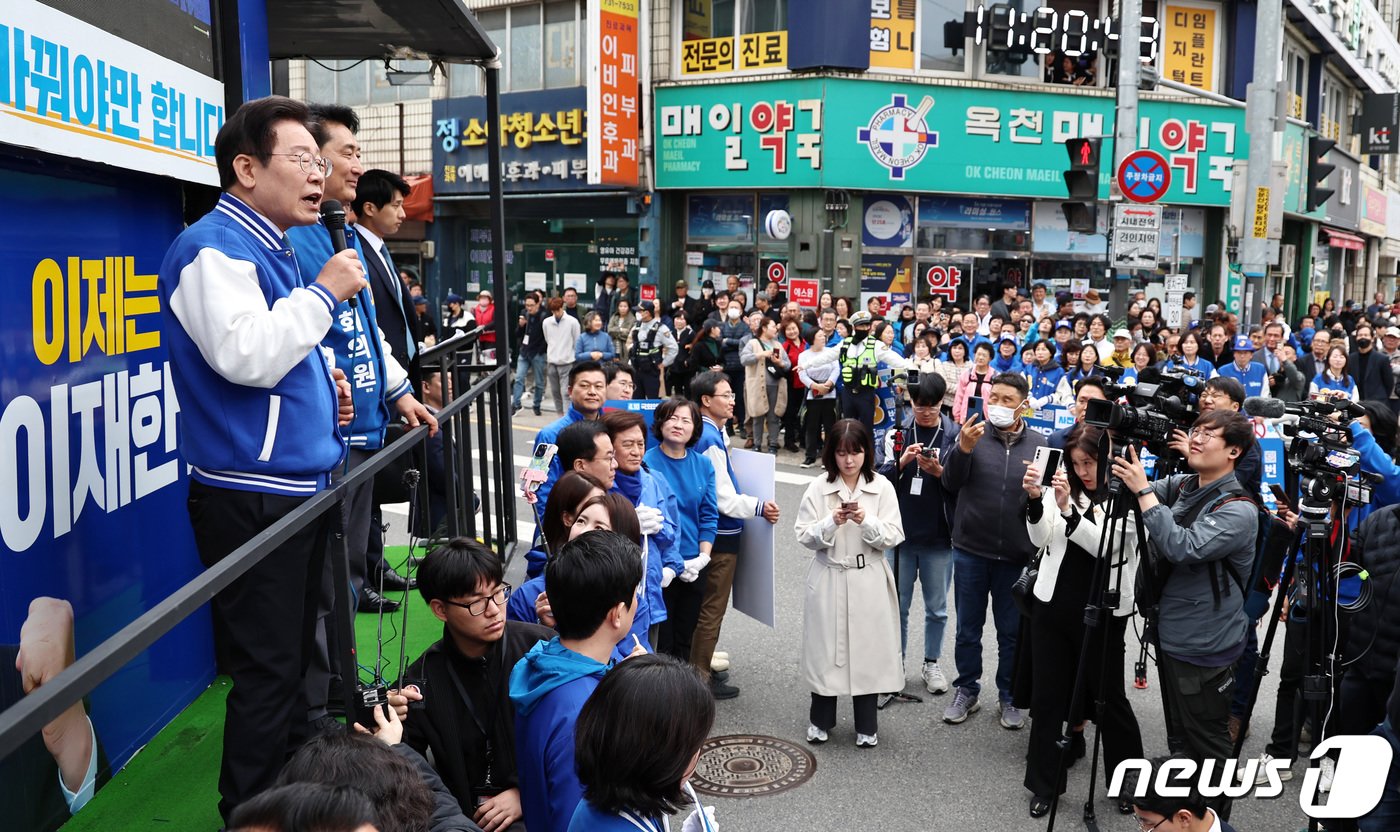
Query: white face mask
[[1001, 417], [732, 312]]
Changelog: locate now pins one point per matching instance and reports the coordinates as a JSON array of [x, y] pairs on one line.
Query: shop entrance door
[[553, 268]]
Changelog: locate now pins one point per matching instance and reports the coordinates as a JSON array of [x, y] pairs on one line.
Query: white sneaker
[[934, 680], [1262, 778], [720, 654], [719, 665], [815, 735], [867, 740], [1329, 770]]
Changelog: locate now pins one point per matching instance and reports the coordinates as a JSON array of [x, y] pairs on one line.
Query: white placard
[[125, 89], [755, 578], [695, 258], [576, 281], [1136, 236], [536, 281], [1175, 282], [1172, 309]]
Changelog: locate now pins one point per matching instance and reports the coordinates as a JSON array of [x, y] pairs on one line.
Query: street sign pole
[[1125, 118], [1260, 123]]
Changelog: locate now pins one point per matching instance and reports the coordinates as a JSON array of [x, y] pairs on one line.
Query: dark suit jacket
[[398, 323], [1374, 378], [445, 725]]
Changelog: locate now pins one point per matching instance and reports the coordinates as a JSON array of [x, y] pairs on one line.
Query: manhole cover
[[743, 766]]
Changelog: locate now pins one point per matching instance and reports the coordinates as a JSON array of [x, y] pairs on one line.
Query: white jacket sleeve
[[883, 528], [220, 304], [395, 374], [731, 502], [889, 357]]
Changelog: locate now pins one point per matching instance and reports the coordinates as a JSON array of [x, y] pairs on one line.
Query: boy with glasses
[[468, 722]]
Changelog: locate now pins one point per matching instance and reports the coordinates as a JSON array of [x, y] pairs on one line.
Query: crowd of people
[[579, 700]]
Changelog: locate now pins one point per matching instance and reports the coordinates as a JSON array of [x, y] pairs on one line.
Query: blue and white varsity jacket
[[258, 406], [376, 378]]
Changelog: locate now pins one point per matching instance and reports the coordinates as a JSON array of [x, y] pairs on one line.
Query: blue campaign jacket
[[1044, 383], [1252, 377], [521, 607], [712, 436], [647, 489], [354, 338], [588, 342], [258, 407], [589, 819], [548, 688]]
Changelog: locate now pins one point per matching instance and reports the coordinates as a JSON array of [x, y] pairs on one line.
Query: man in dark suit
[[379, 212], [467, 719], [1369, 367], [1313, 363]]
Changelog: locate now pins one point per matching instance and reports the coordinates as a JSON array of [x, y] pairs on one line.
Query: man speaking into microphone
[[258, 408], [379, 382]]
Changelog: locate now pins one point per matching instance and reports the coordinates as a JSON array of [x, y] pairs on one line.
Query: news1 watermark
[[1362, 764]]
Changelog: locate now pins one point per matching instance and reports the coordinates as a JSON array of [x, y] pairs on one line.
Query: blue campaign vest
[[1252, 377], [713, 436]]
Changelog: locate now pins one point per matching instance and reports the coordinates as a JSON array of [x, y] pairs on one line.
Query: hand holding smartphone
[[1047, 460]]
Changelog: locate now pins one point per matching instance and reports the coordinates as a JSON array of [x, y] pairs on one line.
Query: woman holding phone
[[850, 628], [973, 383], [1066, 520], [766, 367]]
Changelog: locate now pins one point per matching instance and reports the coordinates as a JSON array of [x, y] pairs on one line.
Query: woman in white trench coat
[[850, 633]]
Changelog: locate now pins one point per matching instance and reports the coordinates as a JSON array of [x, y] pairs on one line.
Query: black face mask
[[1363, 343], [859, 334]]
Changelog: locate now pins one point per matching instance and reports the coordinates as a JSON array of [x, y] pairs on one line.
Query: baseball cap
[[1212, 309], [1243, 344], [1121, 333], [454, 298], [1064, 325], [861, 318], [1393, 332], [420, 301], [648, 306]]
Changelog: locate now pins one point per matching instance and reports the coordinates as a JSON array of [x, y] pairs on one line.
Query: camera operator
[[1204, 526], [1224, 393]]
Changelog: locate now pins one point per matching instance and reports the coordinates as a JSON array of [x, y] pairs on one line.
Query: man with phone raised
[[984, 468]]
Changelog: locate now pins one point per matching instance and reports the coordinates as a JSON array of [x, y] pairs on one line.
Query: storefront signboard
[[804, 292], [863, 134], [719, 218], [1189, 40], [543, 143], [892, 33], [614, 70], [971, 212], [888, 277], [943, 280], [889, 221]]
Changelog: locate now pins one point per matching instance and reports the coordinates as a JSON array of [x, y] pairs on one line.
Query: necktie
[[398, 299]]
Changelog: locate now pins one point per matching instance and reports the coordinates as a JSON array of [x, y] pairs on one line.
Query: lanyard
[[483, 726]]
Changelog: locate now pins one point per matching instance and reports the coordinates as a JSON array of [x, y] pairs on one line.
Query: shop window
[[526, 63], [731, 35], [941, 35], [1295, 71], [464, 80], [763, 16], [701, 19], [560, 44]]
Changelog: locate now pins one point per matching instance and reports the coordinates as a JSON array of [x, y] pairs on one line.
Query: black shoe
[[1040, 806], [387, 580], [792, 449], [722, 690], [1077, 747], [372, 601], [325, 725], [720, 675], [539, 412]]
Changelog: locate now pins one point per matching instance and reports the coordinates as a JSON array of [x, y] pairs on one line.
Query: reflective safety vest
[[858, 365], [646, 355]]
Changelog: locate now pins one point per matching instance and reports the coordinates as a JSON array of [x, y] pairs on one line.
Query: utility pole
[[1125, 121], [1261, 100]]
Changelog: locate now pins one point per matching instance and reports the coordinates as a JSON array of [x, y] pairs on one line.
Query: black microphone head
[[332, 213], [1264, 408]]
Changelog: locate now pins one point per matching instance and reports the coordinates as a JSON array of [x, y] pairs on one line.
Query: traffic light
[[1082, 181], [1318, 170]]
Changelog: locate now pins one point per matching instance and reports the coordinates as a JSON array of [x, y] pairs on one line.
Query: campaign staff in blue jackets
[[259, 405], [1254, 377], [638, 739], [1045, 375], [1333, 380], [587, 383], [593, 595]]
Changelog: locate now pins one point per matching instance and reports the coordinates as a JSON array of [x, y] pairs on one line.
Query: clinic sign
[[861, 134], [71, 89]]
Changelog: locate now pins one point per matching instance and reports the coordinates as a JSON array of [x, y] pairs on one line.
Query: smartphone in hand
[[1048, 460]]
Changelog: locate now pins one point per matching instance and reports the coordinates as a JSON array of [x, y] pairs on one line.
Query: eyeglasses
[[729, 395], [1201, 434], [478, 607], [310, 163], [1142, 823]]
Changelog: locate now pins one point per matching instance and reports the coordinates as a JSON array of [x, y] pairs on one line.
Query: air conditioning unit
[[1287, 259]]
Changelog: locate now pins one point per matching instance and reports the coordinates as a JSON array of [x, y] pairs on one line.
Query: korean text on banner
[[1188, 45], [892, 33], [614, 124], [755, 579], [71, 89]]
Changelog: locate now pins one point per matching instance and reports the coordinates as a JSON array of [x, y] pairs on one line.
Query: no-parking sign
[[776, 272]]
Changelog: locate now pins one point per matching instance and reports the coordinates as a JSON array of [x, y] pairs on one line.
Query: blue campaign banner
[[719, 218], [92, 490], [970, 212], [544, 147], [1050, 418]]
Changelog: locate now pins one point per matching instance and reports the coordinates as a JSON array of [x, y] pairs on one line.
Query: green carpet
[[173, 783]]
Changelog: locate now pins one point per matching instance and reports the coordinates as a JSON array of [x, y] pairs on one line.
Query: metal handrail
[[28, 716]]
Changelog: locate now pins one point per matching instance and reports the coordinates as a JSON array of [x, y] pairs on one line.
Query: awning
[[354, 29], [418, 205], [1343, 239]]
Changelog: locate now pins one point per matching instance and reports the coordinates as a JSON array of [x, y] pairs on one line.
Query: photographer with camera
[[1226, 394], [1203, 530]]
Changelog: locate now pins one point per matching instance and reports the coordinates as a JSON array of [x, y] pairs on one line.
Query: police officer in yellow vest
[[860, 358]]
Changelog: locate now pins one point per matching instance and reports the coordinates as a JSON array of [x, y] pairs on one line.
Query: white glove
[[697, 563], [649, 519], [695, 824], [667, 575]]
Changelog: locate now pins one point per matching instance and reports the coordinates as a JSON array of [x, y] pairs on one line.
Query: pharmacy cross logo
[[898, 136]]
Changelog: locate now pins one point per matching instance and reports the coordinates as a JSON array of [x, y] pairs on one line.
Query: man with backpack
[[652, 348], [1203, 529]]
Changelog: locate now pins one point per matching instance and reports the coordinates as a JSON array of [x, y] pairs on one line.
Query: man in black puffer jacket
[[1374, 638]]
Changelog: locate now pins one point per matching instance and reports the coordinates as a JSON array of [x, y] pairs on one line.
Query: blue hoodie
[[647, 489], [548, 688], [521, 607]]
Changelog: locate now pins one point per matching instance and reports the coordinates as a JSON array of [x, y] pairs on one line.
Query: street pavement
[[925, 774]]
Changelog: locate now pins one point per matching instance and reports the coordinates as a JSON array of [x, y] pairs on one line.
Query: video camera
[[1320, 449], [1151, 411]]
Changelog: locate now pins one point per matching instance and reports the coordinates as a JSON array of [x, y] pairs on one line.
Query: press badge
[[916, 487]]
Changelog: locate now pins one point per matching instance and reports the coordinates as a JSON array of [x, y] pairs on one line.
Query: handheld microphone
[[1263, 407], [333, 218]]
